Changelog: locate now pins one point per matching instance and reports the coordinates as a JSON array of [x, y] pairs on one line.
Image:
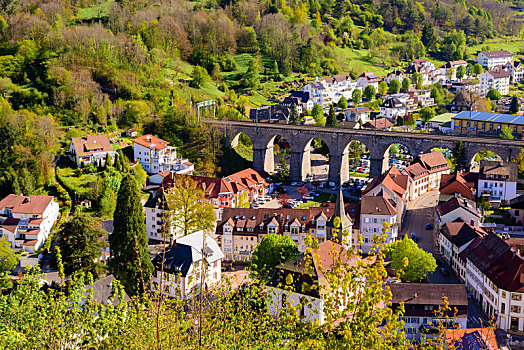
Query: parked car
[[294, 183], [429, 226], [414, 237], [309, 197]]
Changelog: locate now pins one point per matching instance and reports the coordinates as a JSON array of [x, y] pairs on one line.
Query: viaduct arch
[[299, 138]]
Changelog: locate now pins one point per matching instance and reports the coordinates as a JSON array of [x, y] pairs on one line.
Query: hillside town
[[389, 204]]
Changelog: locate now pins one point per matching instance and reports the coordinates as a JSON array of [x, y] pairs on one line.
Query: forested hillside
[[117, 64]]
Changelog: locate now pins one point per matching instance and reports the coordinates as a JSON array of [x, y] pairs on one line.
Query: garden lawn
[[79, 184], [324, 197]]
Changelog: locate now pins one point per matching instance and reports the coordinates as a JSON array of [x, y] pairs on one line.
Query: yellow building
[[483, 123]]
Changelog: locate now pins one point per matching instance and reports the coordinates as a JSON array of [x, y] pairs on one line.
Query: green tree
[[406, 83], [514, 106], [461, 72], [282, 170], [81, 247], [129, 261], [134, 113], [506, 132], [394, 86], [417, 80], [8, 257], [430, 37], [199, 77], [409, 261], [356, 96], [318, 114], [469, 70], [382, 88], [342, 103], [369, 92], [294, 116], [331, 118], [188, 210], [251, 78], [450, 73], [426, 114], [459, 160], [494, 94], [477, 69], [108, 163], [274, 69], [273, 250]]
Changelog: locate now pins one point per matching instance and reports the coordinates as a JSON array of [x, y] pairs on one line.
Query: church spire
[[345, 221]]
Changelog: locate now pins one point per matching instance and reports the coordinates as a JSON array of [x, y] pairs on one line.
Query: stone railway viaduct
[[377, 143]]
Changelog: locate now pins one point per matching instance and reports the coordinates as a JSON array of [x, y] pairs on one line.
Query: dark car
[[429, 227], [444, 271]]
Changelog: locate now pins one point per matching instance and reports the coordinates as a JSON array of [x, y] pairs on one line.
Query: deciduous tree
[[8, 257], [369, 92], [356, 96], [394, 86], [188, 210], [273, 250], [494, 94], [409, 261], [406, 83]]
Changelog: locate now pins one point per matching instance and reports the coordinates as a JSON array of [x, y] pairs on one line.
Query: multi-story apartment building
[[375, 211], [497, 181], [180, 267], [496, 78], [241, 229], [491, 59], [90, 149], [422, 300], [155, 155], [26, 221]]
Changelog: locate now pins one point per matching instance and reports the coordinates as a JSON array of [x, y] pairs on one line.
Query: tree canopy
[[8, 257], [410, 262], [273, 250], [394, 86]]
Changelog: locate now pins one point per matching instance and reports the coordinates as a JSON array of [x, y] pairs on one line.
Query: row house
[[236, 190], [241, 229], [421, 301], [463, 183], [26, 221], [494, 276], [395, 186], [91, 149], [436, 165], [330, 90], [497, 181], [491, 59], [458, 208], [179, 268], [420, 176], [454, 237], [155, 155], [497, 78]]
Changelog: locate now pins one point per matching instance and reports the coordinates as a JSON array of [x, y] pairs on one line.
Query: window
[[516, 296], [503, 308], [294, 230], [515, 309], [374, 220], [271, 229]]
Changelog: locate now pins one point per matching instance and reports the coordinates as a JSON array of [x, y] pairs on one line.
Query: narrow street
[[419, 213]]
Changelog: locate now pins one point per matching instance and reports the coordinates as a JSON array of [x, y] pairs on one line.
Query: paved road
[[420, 212]]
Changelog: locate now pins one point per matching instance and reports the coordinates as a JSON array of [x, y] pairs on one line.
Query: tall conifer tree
[[129, 261]]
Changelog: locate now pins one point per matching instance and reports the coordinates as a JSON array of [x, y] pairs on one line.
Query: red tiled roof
[[416, 171], [151, 142], [377, 205], [30, 242], [10, 224], [86, 146], [380, 123], [434, 160], [457, 183], [26, 205]]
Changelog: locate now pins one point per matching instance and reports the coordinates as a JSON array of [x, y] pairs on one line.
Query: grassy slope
[[96, 11]]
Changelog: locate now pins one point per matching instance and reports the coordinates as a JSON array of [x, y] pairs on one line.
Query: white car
[[294, 183]]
